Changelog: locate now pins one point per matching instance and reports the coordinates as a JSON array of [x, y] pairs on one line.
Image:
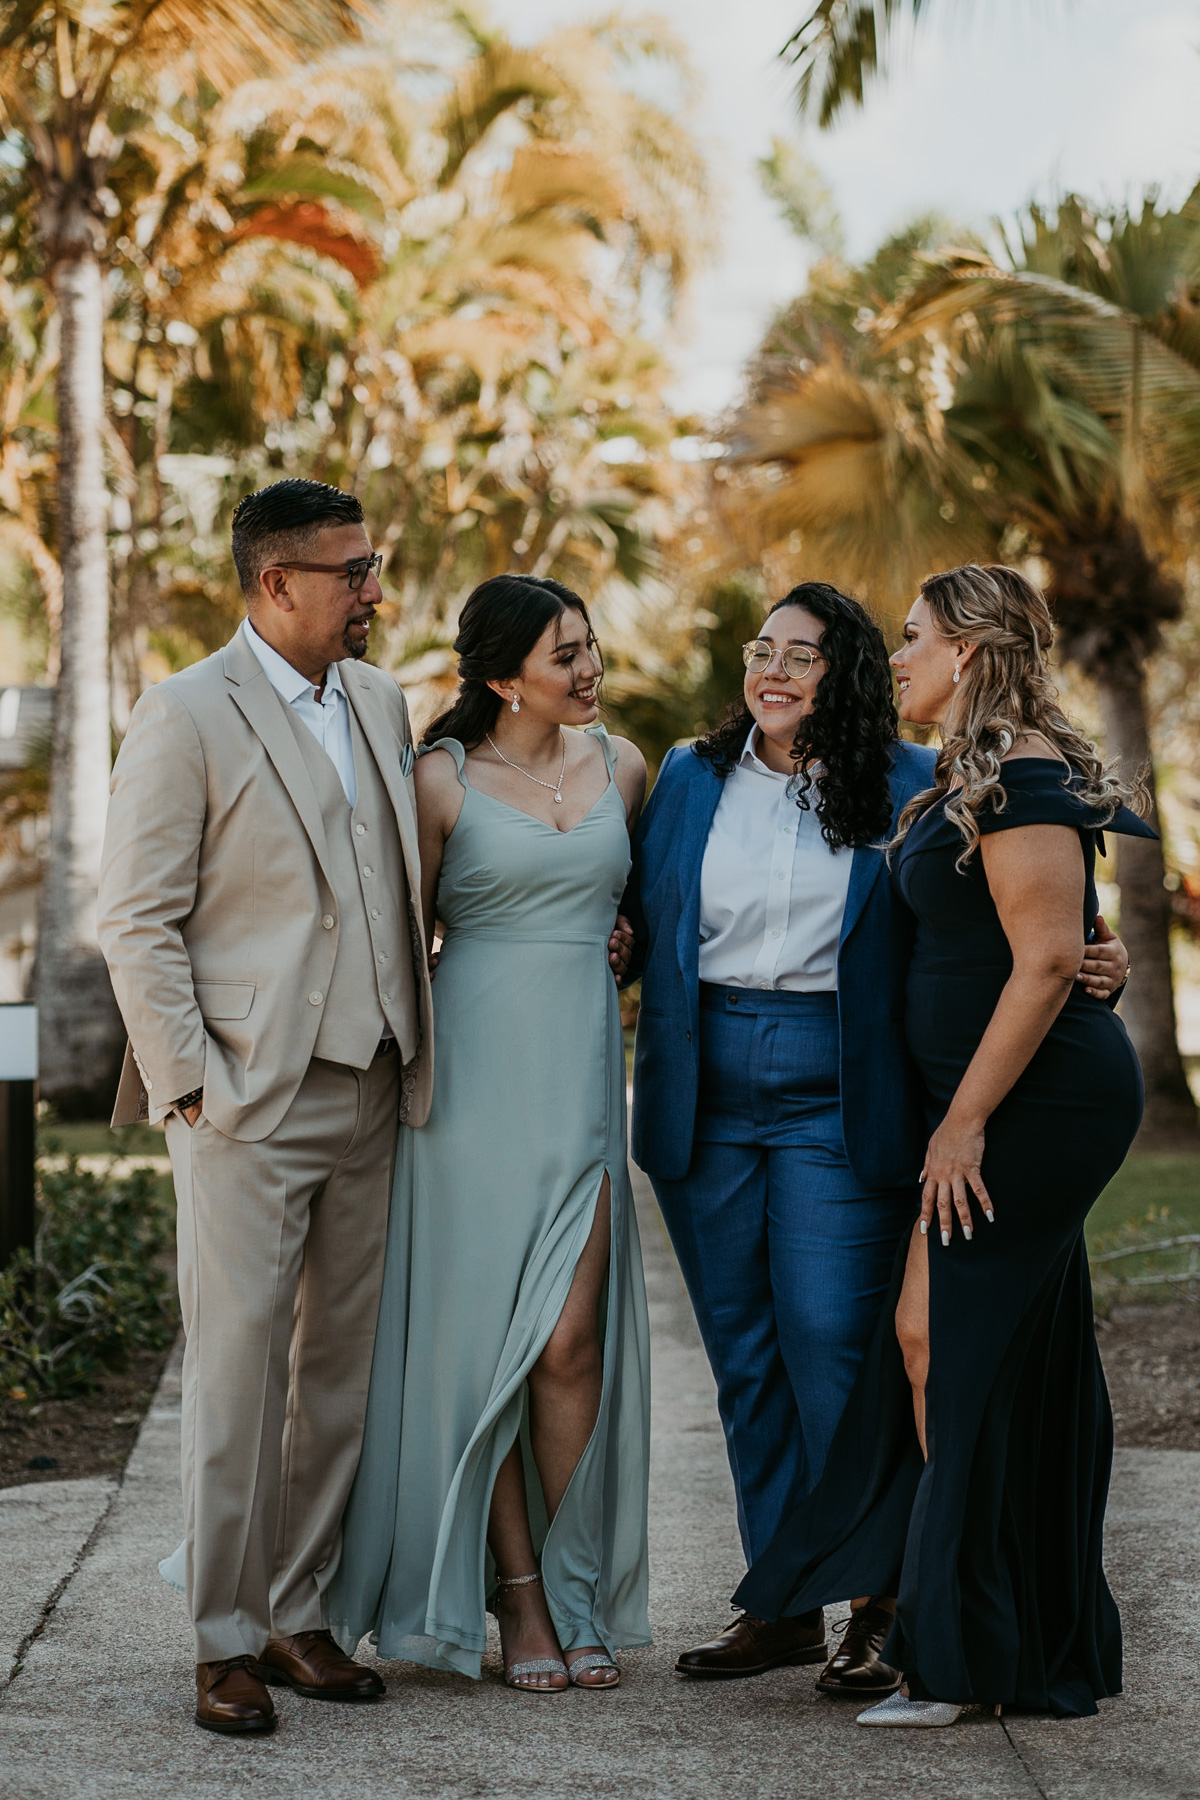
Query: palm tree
[[1050, 407], [434, 298], [69, 91]]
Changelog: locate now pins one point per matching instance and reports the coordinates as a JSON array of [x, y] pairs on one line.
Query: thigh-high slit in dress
[[993, 1545], [492, 1205]]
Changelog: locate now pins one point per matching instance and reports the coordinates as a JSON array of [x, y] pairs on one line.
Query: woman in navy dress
[[970, 1471]]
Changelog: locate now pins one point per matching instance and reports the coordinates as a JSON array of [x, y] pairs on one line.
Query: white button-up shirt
[[772, 892], [327, 718]]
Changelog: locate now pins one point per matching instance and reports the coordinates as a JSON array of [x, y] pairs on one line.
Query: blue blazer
[[882, 1116]]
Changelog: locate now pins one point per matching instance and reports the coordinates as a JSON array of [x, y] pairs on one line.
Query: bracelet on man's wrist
[[192, 1099]]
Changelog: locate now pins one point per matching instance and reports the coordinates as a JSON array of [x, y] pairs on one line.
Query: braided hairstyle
[[850, 731], [499, 625]]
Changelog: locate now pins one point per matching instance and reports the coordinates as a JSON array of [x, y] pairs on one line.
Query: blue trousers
[[786, 1257]]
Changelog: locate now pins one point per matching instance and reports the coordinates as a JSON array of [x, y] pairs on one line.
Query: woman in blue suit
[[775, 1108]]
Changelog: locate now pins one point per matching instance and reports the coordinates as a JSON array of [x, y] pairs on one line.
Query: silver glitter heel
[[899, 1709], [595, 1659], [543, 1665]]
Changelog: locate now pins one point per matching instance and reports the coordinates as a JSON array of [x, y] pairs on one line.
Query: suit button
[[361, 830], [327, 921], [689, 1037], [382, 957], [367, 869], [375, 913], [147, 1083], [315, 998], [387, 999]]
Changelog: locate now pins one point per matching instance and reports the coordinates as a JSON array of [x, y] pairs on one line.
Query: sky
[[993, 103]]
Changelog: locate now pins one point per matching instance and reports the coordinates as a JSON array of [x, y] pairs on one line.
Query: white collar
[[750, 759], [284, 678]]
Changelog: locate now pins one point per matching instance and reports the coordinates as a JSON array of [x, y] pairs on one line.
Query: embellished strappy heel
[[595, 1659], [543, 1665]]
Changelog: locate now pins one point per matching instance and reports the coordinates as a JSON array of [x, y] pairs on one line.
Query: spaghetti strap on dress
[[492, 1205], [993, 1545]]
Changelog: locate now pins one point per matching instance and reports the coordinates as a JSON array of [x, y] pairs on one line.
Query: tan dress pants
[[281, 1247]]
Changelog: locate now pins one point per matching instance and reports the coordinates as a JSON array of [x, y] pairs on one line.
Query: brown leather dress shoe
[[231, 1698], [857, 1667], [313, 1665], [751, 1646]]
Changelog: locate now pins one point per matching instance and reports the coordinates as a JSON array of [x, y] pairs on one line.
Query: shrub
[[98, 1285]]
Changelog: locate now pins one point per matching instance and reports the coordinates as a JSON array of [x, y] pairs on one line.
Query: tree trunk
[[1148, 1006], [81, 1032]]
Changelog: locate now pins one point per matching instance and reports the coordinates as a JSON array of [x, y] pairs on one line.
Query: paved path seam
[[1032, 1779], [57, 1591]]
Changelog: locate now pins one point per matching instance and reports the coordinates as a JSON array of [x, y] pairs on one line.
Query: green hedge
[[99, 1284]]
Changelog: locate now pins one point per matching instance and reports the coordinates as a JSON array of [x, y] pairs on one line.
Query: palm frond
[[490, 85], [1109, 357], [838, 48]]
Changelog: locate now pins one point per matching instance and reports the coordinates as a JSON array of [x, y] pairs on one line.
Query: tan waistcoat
[[372, 977]]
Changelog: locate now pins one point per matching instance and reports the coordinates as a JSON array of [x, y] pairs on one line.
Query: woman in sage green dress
[[506, 1449]]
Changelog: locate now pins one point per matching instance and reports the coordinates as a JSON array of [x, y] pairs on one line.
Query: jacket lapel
[[261, 706], [866, 868], [386, 751], [870, 860], [700, 804]]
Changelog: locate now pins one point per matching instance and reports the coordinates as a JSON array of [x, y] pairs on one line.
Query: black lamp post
[[18, 1084]]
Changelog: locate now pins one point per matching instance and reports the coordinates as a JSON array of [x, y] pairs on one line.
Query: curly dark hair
[[850, 731]]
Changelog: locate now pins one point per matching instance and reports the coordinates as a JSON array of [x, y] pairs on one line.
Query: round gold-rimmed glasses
[[796, 660]]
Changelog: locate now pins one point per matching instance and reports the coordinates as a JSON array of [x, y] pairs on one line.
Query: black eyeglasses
[[356, 572], [796, 660]]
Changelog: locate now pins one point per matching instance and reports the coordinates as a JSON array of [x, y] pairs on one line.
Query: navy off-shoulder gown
[[994, 1544]]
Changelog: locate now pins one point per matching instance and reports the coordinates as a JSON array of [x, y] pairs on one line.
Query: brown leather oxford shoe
[[231, 1698], [751, 1646], [857, 1667], [312, 1664]]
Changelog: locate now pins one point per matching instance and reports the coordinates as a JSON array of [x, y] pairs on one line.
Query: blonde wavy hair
[[1006, 690]]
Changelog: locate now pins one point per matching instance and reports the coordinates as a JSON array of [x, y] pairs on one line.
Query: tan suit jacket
[[214, 885]]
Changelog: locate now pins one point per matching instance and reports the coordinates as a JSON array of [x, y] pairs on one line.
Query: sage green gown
[[493, 1201]]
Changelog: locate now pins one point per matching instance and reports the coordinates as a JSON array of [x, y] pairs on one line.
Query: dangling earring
[[516, 705], [957, 674]]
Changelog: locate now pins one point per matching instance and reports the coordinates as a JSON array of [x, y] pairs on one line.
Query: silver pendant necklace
[[555, 787]]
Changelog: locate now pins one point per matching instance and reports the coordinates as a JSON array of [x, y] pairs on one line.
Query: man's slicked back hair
[[280, 523]]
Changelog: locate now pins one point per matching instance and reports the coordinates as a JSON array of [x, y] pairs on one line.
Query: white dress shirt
[[772, 892], [327, 718]]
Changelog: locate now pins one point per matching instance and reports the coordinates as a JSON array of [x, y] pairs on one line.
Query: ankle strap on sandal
[[511, 1581]]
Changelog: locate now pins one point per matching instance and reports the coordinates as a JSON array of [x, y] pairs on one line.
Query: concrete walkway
[[99, 1705]]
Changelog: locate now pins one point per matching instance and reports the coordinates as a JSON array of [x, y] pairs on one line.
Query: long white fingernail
[[945, 1238], [989, 1215], [968, 1233], [924, 1227]]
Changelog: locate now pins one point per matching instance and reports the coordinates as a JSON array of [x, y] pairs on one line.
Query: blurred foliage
[[98, 1285], [429, 268], [664, 686]]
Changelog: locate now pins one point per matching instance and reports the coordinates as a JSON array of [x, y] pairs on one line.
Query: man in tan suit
[[257, 914]]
